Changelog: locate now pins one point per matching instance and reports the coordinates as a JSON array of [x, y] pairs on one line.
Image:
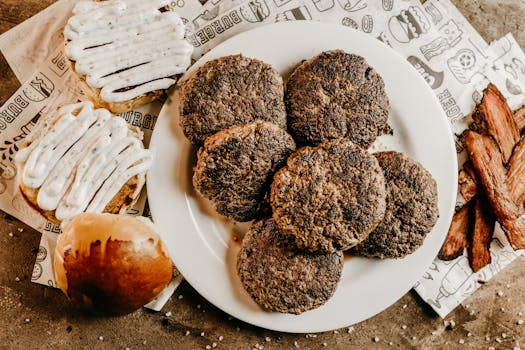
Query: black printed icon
[[37, 272], [255, 11], [388, 5], [463, 65], [384, 38], [323, 5], [450, 37], [280, 3], [205, 17], [42, 254], [60, 65], [352, 5], [433, 78], [40, 88], [367, 24], [409, 25], [51, 227], [347, 21], [433, 12], [298, 13]]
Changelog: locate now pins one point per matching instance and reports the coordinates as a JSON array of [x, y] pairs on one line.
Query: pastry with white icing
[[82, 159], [126, 52]]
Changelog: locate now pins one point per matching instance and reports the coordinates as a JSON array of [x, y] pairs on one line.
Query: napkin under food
[[434, 37]]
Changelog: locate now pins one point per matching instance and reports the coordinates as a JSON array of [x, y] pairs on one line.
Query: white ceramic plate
[[200, 243]]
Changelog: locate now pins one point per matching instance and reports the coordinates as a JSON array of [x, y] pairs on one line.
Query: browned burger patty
[[235, 167], [333, 95], [280, 278], [229, 91], [411, 208], [330, 197]]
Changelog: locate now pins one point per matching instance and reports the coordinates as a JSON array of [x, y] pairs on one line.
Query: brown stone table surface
[[34, 316]]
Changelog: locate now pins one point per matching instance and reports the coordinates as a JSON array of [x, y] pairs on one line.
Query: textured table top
[[34, 316]]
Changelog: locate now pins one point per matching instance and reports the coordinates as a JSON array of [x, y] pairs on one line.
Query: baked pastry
[[281, 278], [229, 91], [126, 53], [411, 208], [333, 95], [235, 167], [111, 264], [82, 159], [329, 197]]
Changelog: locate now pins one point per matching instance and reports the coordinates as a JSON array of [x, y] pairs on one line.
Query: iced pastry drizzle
[[79, 160], [127, 48]]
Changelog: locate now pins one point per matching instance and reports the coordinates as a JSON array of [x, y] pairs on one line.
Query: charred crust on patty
[[329, 197], [281, 278], [333, 95], [229, 91], [235, 167], [411, 208]]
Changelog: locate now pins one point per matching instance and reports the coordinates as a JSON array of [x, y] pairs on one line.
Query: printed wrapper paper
[[434, 37]]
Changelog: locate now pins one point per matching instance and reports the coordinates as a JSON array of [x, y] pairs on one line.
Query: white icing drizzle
[[80, 159], [127, 45]]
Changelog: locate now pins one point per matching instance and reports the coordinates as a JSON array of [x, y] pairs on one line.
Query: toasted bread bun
[[111, 264], [123, 200]]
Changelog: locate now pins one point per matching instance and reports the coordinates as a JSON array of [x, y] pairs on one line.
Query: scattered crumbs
[[449, 324], [336, 332], [434, 332], [126, 348], [48, 332], [144, 342], [502, 309], [267, 339], [472, 312], [168, 314], [376, 339], [390, 343], [498, 340], [101, 338], [350, 329], [213, 345], [187, 333], [469, 334], [181, 296], [516, 348], [461, 341], [17, 279], [208, 347], [20, 230], [446, 323], [508, 286], [11, 234], [504, 335], [258, 346], [221, 338], [452, 323], [467, 306], [296, 344], [198, 306], [324, 344], [405, 306], [404, 326], [202, 334], [487, 338], [491, 348], [519, 322], [519, 313], [414, 337], [499, 293], [27, 320]]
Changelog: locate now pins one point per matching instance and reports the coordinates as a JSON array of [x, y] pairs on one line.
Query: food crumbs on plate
[[434, 332], [27, 320], [469, 334], [498, 340], [208, 347], [461, 341], [499, 293], [350, 330], [390, 343], [336, 332], [504, 335], [491, 348], [20, 230], [11, 234], [17, 279], [101, 338], [267, 339], [487, 338], [181, 296], [296, 344], [519, 322], [324, 344], [213, 345], [376, 339], [404, 326], [405, 306], [414, 337], [187, 333], [168, 314], [202, 334], [221, 338]]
